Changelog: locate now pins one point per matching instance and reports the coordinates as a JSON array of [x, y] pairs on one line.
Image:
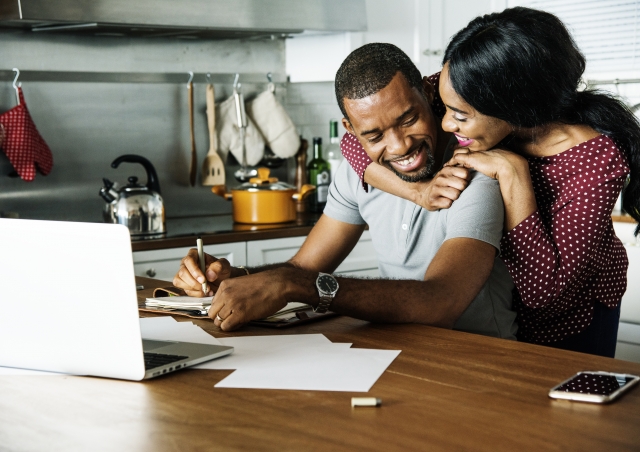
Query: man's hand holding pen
[[191, 278]]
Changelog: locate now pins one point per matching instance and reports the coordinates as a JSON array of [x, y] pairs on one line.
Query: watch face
[[327, 284]]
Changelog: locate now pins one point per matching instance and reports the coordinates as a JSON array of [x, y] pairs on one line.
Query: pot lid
[[264, 182]]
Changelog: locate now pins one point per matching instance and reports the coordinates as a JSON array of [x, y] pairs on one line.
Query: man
[[441, 266]]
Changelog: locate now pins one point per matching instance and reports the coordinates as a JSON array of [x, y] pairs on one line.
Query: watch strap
[[323, 304]]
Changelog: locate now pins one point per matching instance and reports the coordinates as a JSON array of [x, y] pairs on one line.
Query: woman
[[509, 85]]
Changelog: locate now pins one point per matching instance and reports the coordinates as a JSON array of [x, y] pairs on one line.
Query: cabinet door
[[263, 252], [361, 261], [163, 264]]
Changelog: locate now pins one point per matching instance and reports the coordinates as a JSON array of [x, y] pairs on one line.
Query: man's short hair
[[370, 68]]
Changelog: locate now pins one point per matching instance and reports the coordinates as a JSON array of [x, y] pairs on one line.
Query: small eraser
[[365, 401]]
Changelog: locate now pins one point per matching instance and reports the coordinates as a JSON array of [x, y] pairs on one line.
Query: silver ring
[[219, 318]]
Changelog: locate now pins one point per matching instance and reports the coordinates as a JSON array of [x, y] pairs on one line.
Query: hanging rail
[[615, 81], [8, 75]]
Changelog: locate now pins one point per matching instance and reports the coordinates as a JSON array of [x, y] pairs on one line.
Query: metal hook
[[209, 78], [271, 87], [190, 77], [615, 83], [235, 82], [17, 85]]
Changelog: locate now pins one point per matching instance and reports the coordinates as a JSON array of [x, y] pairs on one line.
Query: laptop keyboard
[[153, 360]]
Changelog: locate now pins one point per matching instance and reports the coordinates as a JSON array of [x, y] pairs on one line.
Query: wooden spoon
[[194, 156]]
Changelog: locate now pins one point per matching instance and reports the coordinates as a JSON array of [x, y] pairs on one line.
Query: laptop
[[68, 304]]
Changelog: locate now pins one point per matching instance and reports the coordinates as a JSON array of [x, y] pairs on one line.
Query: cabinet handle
[[151, 272]]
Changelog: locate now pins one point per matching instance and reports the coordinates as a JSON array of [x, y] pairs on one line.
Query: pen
[[205, 289]]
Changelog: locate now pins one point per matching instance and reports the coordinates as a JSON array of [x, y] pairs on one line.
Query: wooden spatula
[[213, 166]]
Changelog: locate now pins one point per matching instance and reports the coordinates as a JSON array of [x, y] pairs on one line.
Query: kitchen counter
[[623, 218], [447, 390], [215, 229]]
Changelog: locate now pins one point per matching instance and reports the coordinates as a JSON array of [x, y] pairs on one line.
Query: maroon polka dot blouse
[[564, 257]]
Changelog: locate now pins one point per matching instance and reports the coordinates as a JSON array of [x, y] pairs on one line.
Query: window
[[606, 31]]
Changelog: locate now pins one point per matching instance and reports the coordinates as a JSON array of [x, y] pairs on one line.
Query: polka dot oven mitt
[[23, 144]]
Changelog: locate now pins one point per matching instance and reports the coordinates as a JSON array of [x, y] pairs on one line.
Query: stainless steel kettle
[[139, 207]]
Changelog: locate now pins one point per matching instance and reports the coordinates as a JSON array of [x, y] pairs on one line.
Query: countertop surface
[[222, 229], [447, 390]]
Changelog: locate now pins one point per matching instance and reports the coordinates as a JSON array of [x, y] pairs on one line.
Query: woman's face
[[473, 130]]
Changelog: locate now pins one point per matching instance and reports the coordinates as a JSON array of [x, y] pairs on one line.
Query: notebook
[[68, 304]]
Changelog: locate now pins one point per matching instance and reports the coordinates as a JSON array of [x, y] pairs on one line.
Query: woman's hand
[[495, 163], [445, 187], [511, 171]]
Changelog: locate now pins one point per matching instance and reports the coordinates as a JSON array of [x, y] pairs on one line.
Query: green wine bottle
[[320, 176]]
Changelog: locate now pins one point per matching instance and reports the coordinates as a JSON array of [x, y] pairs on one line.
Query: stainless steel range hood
[[219, 19]]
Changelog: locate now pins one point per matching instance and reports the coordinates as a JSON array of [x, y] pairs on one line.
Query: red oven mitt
[[23, 144]]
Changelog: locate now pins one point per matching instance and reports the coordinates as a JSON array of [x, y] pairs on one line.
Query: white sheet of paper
[[317, 369], [167, 329], [251, 350]]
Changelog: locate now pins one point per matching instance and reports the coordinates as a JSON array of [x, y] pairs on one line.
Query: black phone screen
[[592, 383]]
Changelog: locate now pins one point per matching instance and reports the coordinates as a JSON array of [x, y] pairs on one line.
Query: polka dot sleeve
[[566, 254], [355, 154]]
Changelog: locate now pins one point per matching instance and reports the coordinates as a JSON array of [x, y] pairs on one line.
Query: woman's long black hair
[[522, 66]]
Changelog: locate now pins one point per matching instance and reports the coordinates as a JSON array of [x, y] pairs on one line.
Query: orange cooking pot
[[264, 199]]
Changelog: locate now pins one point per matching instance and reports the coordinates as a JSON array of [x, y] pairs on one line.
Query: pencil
[[205, 289]]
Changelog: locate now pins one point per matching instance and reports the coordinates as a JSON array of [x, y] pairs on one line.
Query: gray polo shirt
[[406, 237]]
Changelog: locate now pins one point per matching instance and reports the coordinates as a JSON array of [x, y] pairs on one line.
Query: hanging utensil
[[270, 160], [17, 85], [23, 145], [244, 173], [194, 156], [213, 166]]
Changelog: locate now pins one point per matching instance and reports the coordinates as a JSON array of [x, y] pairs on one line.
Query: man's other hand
[[256, 296]]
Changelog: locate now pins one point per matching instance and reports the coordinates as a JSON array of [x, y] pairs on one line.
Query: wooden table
[[447, 390]]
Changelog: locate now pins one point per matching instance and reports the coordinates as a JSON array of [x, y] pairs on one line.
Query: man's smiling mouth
[[414, 167], [410, 162], [407, 161]]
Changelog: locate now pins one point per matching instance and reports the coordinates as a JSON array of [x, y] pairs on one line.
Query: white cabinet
[[163, 264], [361, 261], [421, 28], [263, 252], [628, 347]]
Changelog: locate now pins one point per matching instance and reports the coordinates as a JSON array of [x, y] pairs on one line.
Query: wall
[[312, 106], [412, 25], [87, 125]]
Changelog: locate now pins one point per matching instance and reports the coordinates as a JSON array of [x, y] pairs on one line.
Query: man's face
[[397, 128]]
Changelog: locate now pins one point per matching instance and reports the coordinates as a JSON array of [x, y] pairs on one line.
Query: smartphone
[[596, 387]]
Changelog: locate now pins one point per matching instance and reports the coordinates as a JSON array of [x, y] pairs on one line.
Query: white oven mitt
[[274, 123], [229, 135]]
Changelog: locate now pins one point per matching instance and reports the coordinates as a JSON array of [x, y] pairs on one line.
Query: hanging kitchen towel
[[229, 135], [274, 124], [23, 144]]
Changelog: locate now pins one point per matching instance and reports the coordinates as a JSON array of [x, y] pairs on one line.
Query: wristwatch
[[327, 289]]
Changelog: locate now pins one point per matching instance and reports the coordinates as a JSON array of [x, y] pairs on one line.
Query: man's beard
[[423, 174]]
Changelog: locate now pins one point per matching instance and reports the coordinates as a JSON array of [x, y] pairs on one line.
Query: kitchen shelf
[[8, 75]]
